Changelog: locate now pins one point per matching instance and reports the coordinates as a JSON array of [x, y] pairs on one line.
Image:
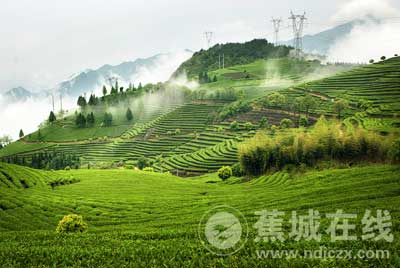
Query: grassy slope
[[145, 219], [378, 83]]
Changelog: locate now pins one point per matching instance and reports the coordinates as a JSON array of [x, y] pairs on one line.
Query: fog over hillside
[[28, 110]]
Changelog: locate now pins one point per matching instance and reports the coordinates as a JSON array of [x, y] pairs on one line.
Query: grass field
[[139, 219]]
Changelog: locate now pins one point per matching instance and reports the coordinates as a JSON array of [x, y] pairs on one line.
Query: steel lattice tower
[[277, 25], [298, 26]]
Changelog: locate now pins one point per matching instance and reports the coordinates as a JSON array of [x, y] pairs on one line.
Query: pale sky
[[46, 41]]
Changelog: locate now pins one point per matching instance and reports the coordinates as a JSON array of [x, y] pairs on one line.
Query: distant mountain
[[320, 43], [149, 70], [18, 94]]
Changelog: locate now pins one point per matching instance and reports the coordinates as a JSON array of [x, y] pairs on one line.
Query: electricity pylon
[[298, 26], [277, 26], [209, 36]]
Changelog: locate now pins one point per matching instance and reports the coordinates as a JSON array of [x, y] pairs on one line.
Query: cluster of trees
[[117, 94], [300, 104], [226, 94], [234, 54], [204, 78], [234, 108], [326, 141], [45, 160], [81, 121]]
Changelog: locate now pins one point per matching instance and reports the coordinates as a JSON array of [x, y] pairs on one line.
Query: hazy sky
[[45, 41]]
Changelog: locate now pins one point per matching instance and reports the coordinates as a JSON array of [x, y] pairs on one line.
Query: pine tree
[[104, 91], [107, 121], [81, 101], [52, 117], [80, 120], [129, 115], [21, 133], [90, 119]]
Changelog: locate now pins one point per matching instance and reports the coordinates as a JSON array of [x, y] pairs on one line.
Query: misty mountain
[[18, 94], [149, 70], [320, 43]]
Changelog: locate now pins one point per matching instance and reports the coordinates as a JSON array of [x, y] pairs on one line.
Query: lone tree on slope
[[339, 107], [129, 115], [52, 117]]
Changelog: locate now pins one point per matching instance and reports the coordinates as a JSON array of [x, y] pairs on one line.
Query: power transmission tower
[[209, 36], [52, 101], [221, 58], [277, 26], [61, 103], [298, 25]]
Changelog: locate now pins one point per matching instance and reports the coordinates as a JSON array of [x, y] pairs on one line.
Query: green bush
[[303, 121], [72, 223], [142, 162], [394, 152], [264, 123], [248, 126], [234, 126], [225, 173], [237, 170], [177, 131], [67, 168], [286, 123]]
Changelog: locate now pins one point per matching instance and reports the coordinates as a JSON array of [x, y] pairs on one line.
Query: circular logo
[[223, 230]]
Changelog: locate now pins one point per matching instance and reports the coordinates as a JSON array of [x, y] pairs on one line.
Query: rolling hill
[[137, 218]]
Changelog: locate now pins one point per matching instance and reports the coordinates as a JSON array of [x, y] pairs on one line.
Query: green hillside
[[186, 136], [234, 54], [139, 219], [377, 85]]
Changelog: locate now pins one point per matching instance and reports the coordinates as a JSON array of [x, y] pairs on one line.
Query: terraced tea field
[[141, 219], [378, 83]]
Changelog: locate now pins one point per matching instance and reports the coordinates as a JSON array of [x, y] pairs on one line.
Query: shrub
[[234, 108], [67, 168], [177, 131], [148, 169], [237, 170], [234, 126], [286, 123], [303, 121], [273, 129], [225, 173], [72, 223], [394, 152], [264, 123], [248, 126], [142, 162]]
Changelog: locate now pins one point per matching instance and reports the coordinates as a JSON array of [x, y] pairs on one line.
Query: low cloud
[[26, 115], [377, 35]]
